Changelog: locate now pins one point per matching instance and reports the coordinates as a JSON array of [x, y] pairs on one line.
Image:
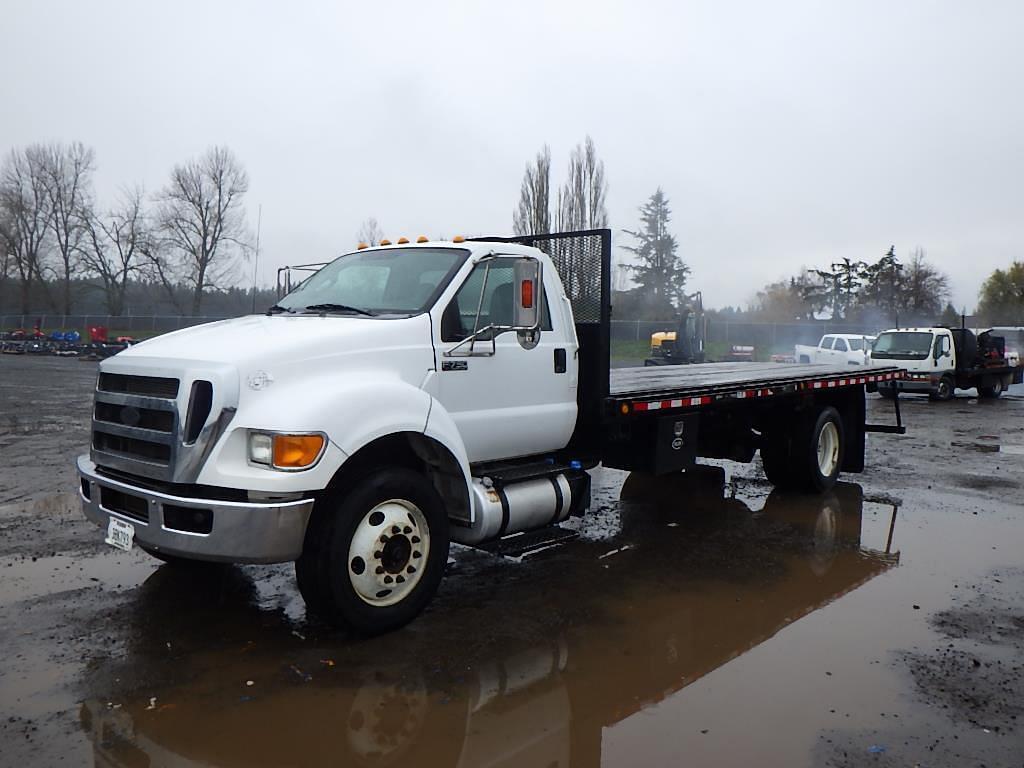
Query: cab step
[[528, 543]]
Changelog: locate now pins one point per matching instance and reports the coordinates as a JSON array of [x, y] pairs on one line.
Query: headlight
[[285, 452]]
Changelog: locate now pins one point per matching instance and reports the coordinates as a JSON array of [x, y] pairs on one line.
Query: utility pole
[[256, 260]]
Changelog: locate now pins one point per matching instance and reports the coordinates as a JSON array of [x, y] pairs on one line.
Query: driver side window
[[495, 302]]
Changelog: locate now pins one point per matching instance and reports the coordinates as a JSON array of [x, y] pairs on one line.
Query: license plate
[[120, 534]]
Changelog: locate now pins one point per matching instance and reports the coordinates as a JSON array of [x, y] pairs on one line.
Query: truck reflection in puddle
[[685, 593]]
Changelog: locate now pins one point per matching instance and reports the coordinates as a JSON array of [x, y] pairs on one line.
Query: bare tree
[[581, 201], [533, 214], [68, 179], [924, 288], [117, 245], [201, 220], [369, 232], [24, 216]]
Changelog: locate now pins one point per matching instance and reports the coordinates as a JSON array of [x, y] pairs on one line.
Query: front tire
[[373, 558], [943, 390]]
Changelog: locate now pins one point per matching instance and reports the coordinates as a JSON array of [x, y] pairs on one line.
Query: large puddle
[[692, 622]]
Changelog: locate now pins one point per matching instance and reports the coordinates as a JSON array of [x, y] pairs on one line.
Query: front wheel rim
[[828, 449], [388, 552]]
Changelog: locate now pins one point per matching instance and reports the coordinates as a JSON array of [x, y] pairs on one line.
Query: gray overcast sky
[[784, 133]]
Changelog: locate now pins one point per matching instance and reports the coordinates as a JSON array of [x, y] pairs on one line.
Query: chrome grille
[[135, 424], [158, 427]]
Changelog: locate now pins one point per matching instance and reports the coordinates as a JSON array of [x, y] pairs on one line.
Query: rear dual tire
[[992, 392], [807, 457]]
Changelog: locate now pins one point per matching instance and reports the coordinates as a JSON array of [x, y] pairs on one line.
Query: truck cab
[[365, 395], [940, 360]]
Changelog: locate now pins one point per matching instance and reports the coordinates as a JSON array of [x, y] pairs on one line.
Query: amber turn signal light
[[297, 451]]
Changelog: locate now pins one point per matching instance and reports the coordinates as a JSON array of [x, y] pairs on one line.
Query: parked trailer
[[410, 395]]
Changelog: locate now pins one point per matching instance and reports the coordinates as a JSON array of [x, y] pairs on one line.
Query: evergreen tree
[[661, 274], [950, 317]]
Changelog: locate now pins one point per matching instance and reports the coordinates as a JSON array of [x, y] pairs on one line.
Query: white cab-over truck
[[938, 361], [411, 395], [836, 349]]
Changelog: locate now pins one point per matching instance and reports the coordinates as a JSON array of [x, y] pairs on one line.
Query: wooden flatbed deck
[[711, 378]]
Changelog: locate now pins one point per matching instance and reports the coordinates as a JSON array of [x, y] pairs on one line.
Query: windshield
[[397, 281], [911, 345]]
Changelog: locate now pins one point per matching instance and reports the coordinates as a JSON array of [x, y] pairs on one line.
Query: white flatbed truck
[[411, 395]]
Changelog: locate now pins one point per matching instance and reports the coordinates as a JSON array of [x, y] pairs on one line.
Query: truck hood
[[279, 340]]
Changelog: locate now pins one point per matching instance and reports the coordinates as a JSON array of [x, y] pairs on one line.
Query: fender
[[441, 428]]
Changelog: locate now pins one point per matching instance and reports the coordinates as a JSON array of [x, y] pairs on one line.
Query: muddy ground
[[701, 620]]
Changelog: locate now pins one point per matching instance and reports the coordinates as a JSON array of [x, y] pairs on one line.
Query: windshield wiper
[[336, 308], [278, 308]]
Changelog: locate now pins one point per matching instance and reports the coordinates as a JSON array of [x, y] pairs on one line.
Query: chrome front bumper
[[242, 532]]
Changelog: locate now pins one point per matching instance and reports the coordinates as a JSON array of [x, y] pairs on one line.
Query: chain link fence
[[141, 326], [766, 337]]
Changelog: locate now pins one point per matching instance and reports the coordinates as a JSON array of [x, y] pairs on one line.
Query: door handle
[[560, 366]]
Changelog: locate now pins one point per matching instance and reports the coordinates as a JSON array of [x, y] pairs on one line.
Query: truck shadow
[[515, 664]]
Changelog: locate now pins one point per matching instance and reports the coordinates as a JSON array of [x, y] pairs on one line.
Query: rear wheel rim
[[388, 552], [828, 449]]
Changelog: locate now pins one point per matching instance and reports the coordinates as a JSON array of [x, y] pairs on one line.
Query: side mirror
[[527, 293]]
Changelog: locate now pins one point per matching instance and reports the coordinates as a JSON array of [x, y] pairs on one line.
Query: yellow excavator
[[684, 344]]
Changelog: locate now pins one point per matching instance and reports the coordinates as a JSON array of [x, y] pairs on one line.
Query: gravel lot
[[698, 620]]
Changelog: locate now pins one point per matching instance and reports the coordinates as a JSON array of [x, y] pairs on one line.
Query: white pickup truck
[[414, 394], [837, 349]]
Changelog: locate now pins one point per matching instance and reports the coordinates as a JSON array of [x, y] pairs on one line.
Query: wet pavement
[[698, 620]]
